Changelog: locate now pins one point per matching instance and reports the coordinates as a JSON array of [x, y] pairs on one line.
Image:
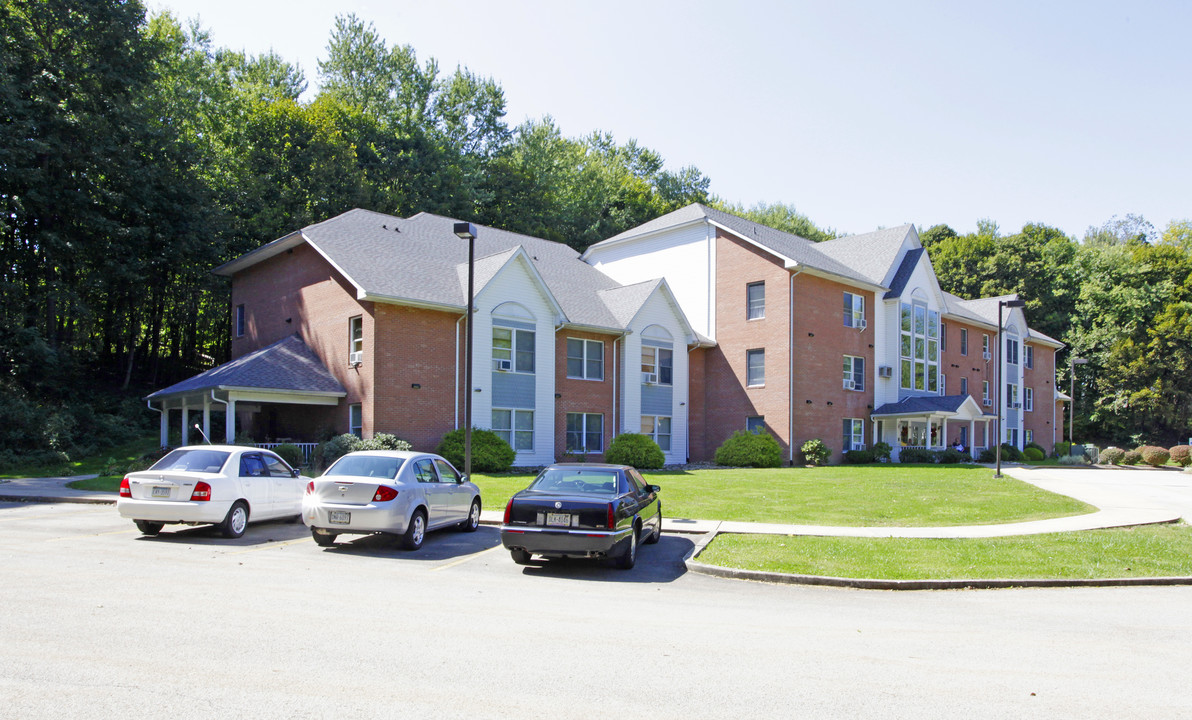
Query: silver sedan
[[399, 493]]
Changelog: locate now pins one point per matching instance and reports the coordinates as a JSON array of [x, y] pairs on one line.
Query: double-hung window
[[1011, 395], [963, 341], [238, 322], [515, 427], [1011, 351], [513, 350], [356, 420], [585, 359], [854, 434], [755, 368], [985, 399], [854, 373], [1028, 399], [964, 386], [985, 346], [658, 427], [1030, 356], [355, 340], [755, 301], [585, 433], [658, 365], [854, 310]]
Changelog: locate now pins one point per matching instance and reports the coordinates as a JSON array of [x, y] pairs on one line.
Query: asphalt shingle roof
[[923, 404], [287, 364], [870, 255]]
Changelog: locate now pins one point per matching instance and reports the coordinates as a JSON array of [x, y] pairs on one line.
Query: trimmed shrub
[[291, 453], [331, 450], [1181, 455], [1131, 457], [385, 441], [749, 449], [1111, 456], [1033, 453], [1073, 460], [637, 450], [858, 457], [815, 452], [881, 451], [907, 456], [1063, 448], [1035, 445], [951, 456], [1154, 456], [490, 452], [988, 455], [1011, 453]]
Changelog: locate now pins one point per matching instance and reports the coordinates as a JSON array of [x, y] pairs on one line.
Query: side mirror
[[295, 472], [462, 479], [655, 488]]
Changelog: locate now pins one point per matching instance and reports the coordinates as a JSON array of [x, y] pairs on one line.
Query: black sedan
[[583, 510]]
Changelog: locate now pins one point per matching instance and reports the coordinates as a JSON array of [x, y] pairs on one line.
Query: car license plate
[[161, 492], [558, 519], [340, 517]]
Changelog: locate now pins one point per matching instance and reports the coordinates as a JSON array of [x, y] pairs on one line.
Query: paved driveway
[[1119, 489]]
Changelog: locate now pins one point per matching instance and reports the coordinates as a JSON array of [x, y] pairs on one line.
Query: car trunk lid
[[561, 511], [347, 490], [165, 485]]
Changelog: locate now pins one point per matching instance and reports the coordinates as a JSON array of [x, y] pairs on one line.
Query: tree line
[[135, 156]]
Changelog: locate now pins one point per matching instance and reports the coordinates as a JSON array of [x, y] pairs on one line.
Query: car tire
[[149, 528], [415, 531], [322, 539], [657, 534], [629, 558], [473, 521], [234, 524], [521, 557]]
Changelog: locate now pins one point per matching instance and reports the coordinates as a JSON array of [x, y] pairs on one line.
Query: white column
[[165, 424], [230, 422], [944, 434], [185, 423], [972, 438], [206, 416]]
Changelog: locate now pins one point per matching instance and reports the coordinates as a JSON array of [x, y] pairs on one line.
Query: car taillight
[[202, 492], [384, 494], [125, 490], [612, 520], [310, 488], [508, 510]]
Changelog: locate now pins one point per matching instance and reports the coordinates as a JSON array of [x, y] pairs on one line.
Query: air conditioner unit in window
[[987, 355], [650, 378], [860, 323], [986, 402], [356, 358], [850, 385], [857, 446], [1016, 406], [502, 365], [885, 371]]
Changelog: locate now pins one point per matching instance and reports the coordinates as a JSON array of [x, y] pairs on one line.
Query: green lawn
[[121, 454], [1146, 551], [880, 495]]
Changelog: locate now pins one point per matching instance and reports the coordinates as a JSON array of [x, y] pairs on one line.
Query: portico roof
[[963, 406]]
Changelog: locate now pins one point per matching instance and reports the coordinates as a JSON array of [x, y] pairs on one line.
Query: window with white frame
[[513, 350], [943, 384], [1030, 356], [854, 310], [985, 399], [755, 301], [658, 427], [1028, 399], [854, 373], [356, 420], [919, 348], [515, 427], [657, 365], [854, 434], [943, 337], [1011, 395], [585, 359], [585, 433], [964, 386], [1011, 351], [755, 423], [1029, 436], [964, 341], [238, 321], [755, 368], [1012, 436], [985, 346], [355, 340]]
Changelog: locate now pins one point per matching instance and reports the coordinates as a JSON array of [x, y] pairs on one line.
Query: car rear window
[[366, 466], [594, 482], [194, 460]]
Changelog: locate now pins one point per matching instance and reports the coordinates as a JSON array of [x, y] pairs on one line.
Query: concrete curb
[[82, 500]]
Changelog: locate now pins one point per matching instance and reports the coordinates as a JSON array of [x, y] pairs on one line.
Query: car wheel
[[416, 531], [149, 528], [322, 538], [629, 558], [237, 520], [657, 534], [473, 520], [521, 557]]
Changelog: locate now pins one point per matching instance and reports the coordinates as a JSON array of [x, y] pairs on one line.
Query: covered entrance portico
[[933, 422]]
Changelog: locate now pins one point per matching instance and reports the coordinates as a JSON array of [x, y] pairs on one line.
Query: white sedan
[[223, 485], [398, 493]]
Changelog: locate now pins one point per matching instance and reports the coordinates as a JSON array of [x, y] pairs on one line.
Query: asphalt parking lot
[[99, 621]]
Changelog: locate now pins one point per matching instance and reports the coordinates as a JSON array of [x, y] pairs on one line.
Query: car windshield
[[572, 480], [366, 466], [194, 460]]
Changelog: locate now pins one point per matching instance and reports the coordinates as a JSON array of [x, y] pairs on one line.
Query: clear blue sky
[[861, 114]]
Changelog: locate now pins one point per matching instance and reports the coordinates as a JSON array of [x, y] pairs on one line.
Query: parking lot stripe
[[463, 560], [15, 518], [270, 546]]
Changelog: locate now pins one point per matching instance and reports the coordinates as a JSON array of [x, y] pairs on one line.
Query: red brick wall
[[972, 366], [577, 395], [821, 341], [697, 447]]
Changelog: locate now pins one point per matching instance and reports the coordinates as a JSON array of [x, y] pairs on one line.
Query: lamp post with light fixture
[[1001, 356], [1072, 363], [467, 231]]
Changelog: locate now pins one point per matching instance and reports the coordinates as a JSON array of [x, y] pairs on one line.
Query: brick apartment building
[[687, 328]]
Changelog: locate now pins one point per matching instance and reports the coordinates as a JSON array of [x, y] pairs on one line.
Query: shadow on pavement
[[660, 563], [439, 545]]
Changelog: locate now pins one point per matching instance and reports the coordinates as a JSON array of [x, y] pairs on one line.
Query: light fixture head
[[465, 231]]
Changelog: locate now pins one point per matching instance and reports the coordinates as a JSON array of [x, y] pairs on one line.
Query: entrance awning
[[953, 407]]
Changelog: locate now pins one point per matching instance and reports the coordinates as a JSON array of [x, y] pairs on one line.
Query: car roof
[[403, 454], [588, 466]]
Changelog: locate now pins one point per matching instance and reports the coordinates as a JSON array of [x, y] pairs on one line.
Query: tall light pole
[[1001, 355], [1072, 363], [467, 231]]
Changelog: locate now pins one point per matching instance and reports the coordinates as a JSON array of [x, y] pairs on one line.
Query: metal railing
[[306, 448]]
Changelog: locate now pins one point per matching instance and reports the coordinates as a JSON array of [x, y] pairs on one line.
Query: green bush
[[1181, 455], [908, 456], [1033, 453], [1154, 456], [1111, 456], [331, 450], [815, 452], [988, 455], [951, 456], [490, 452], [881, 451], [1063, 448], [858, 457], [1011, 453], [1073, 460], [749, 449], [1131, 457], [637, 450], [385, 441], [291, 453]]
